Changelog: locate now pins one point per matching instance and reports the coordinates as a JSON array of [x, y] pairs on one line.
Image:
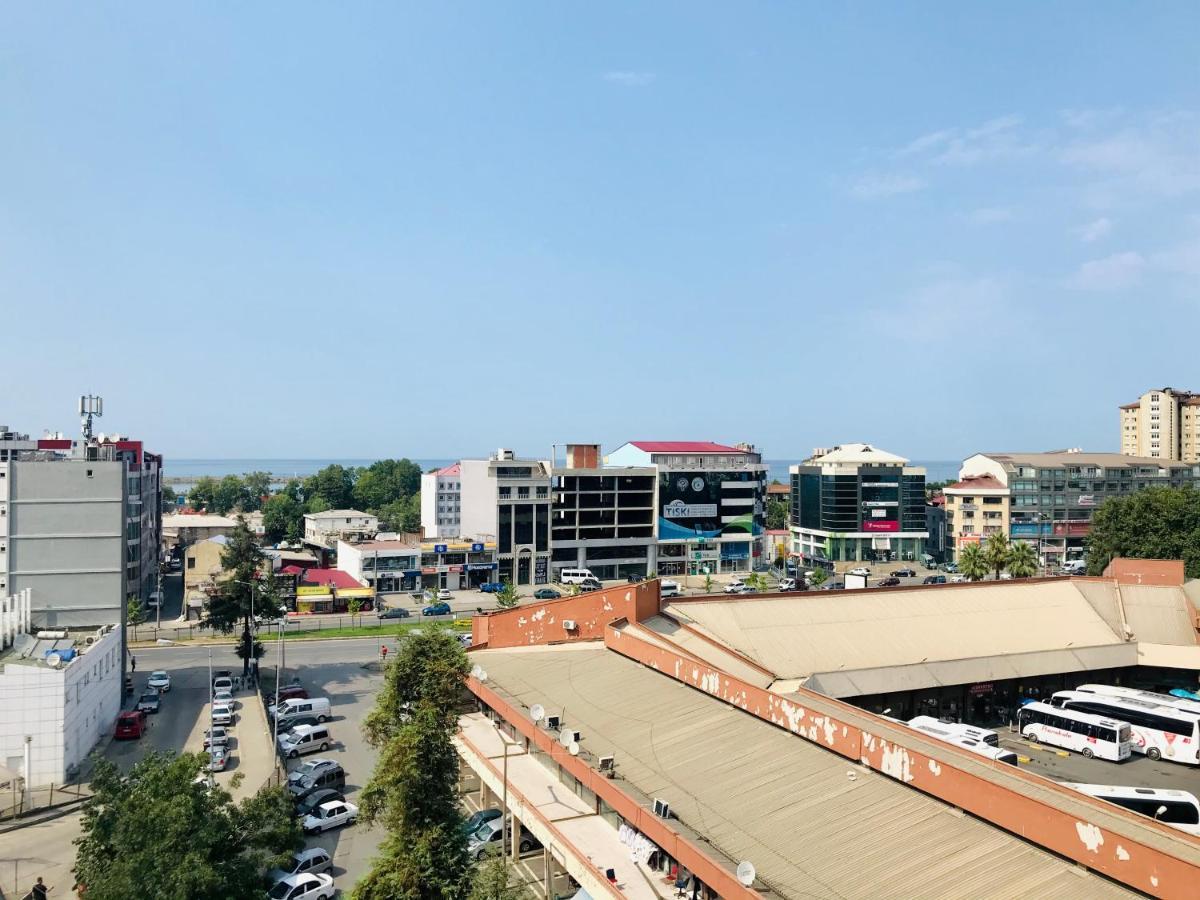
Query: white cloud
[[1111, 273], [926, 142], [1160, 154], [990, 215], [874, 185], [629, 78], [1095, 230], [995, 139]]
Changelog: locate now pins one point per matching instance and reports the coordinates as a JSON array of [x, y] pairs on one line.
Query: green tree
[[239, 592], [1156, 523], [169, 496], [995, 552], [229, 494], [202, 493], [385, 482], [354, 606], [708, 583], [777, 514], [334, 483], [1022, 560], [507, 597], [158, 812], [413, 791], [401, 515], [494, 881], [317, 504], [972, 563], [819, 576], [256, 487], [133, 612], [283, 518]]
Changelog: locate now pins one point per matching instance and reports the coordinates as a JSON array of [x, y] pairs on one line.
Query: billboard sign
[[677, 509], [881, 525]]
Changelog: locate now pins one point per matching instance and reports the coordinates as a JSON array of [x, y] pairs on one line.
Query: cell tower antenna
[[90, 406]]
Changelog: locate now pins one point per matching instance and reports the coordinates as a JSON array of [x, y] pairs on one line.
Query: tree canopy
[[1156, 523], [158, 833], [777, 514], [972, 562], [243, 592]]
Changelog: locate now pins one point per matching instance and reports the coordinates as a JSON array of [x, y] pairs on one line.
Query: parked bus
[[1185, 703], [983, 735], [1179, 809], [948, 733], [1093, 736], [1158, 731]]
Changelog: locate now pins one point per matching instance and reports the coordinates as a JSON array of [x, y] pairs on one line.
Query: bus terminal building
[[654, 747]]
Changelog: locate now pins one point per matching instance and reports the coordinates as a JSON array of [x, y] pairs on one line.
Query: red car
[[130, 724], [292, 692]]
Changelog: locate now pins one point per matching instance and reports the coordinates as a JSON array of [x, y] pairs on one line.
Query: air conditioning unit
[[553, 722], [569, 625], [607, 765], [661, 809]]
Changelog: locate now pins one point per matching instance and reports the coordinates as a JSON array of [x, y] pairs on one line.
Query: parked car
[[314, 860], [306, 886], [436, 609], [951, 567], [323, 779], [312, 767], [492, 587], [305, 739], [833, 586], [440, 594], [734, 587], [225, 697], [130, 724], [316, 706], [471, 825], [787, 584], [216, 736], [159, 681], [546, 594], [394, 612], [668, 588], [222, 714], [634, 579], [292, 692], [148, 703], [222, 683], [958, 579], [860, 570], [290, 723], [488, 837], [305, 805], [329, 815], [934, 579], [889, 581], [218, 758], [589, 584], [905, 573]]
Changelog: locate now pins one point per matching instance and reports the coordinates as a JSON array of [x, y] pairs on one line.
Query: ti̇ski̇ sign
[[677, 509]]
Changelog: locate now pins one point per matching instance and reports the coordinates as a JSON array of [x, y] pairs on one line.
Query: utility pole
[[278, 676]]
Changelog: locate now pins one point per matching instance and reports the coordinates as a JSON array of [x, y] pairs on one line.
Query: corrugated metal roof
[[761, 794], [685, 447], [797, 635], [1158, 614]]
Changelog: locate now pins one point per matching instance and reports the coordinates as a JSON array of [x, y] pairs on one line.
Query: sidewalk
[[251, 753]]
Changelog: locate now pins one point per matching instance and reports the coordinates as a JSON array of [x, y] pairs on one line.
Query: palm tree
[[1022, 560], [971, 562], [995, 553]]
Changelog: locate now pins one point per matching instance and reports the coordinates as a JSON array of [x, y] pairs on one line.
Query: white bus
[[950, 733], [1158, 731], [983, 735], [1179, 809], [1110, 690], [1093, 736]]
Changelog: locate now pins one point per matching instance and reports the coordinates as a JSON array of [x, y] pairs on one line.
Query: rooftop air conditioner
[[569, 625], [662, 809], [553, 722]]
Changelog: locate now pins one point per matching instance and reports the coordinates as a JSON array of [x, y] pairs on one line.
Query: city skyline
[[416, 232]]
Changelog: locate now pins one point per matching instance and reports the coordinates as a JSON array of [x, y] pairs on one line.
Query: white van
[[304, 739], [668, 588], [307, 706], [576, 576], [1075, 567]]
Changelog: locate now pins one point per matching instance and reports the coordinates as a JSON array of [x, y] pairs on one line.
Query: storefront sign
[[880, 525], [477, 548], [1087, 499], [480, 567], [456, 568], [439, 548], [873, 503], [985, 687], [677, 509], [411, 573], [539, 570]]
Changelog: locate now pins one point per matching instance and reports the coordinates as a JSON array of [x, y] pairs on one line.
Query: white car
[[218, 759], [734, 587], [330, 815], [957, 579], [216, 737], [159, 681], [313, 768], [787, 584], [224, 697], [222, 714], [860, 570], [309, 886]]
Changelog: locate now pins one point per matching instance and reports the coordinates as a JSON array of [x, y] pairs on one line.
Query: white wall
[[349, 560], [478, 516], [65, 711]]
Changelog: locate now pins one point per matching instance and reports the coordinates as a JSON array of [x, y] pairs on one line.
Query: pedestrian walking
[[383, 652], [132, 663], [40, 890]]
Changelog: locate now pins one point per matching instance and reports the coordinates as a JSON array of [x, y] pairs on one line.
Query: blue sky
[[307, 231]]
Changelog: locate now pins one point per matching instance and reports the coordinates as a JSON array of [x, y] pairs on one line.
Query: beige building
[[976, 506], [1162, 424]]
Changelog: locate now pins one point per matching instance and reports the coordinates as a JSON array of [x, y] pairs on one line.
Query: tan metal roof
[[1059, 458], [1158, 614], [761, 794], [798, 635]]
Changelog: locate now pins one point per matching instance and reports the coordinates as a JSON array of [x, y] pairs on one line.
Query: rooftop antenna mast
[[90, 406]]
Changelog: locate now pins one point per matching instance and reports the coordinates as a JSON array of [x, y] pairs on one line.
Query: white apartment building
[[58, 694], [1162, 424], [325, 529], [441, 502]]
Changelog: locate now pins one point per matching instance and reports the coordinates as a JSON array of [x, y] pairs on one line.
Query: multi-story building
[[711, 503], [603, 515], [1162, 424], [1048, 499], [324, 529], [392, 567], [441, 502], [857, 503], [935, 526]]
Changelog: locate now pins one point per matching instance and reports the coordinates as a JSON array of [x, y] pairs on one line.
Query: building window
[[191, 562], [505, 492]]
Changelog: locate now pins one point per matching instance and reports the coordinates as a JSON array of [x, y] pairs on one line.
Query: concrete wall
[[542, 622], [66, 539], [478, 513]]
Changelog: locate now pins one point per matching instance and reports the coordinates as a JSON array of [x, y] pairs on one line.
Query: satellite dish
[[573, 748], [53, 660], [537, 712], [746, 872], [565, 738]]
